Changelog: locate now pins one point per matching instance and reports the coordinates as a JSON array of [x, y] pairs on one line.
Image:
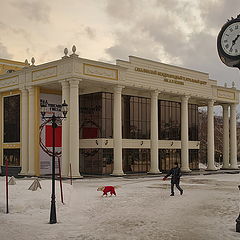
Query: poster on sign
[[46, 134]]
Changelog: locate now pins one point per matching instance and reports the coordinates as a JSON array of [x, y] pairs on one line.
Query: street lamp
[[55, 121]]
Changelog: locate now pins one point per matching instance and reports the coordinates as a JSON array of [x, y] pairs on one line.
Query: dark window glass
[[193, 122], [169, 120], [96, 161], [167, 157], [193, 159], [11, 118], [136, 117], [136, 160], [13, 157]]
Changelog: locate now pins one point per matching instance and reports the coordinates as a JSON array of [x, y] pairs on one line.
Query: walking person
[[175, 179]]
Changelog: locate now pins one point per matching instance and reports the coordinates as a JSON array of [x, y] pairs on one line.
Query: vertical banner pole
[[60, 176], [6, 165], [70, 173]]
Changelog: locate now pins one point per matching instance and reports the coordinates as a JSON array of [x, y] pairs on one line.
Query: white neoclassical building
[[132, 116]]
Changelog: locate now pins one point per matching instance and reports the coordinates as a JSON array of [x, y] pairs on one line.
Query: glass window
[[136, 160], [13, 157], [167, 157], [11, 106], [135, 117], [169, 120]]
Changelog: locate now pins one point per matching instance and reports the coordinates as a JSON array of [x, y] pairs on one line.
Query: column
[[31, 135], [184, 135], [154, 133], [65, 131], [117, 131], [225, 137], [24, 132], [210, 138], [233, 137], [74, 128]]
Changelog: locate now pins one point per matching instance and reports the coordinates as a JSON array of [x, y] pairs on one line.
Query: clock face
[[230, 40]]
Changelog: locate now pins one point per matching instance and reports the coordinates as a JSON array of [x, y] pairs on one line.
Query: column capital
[[31, 89], [74, 82], [155, 93], [118, 88], [225, 105], [211, 102], [24, 90], [185, 98], [64, 83]]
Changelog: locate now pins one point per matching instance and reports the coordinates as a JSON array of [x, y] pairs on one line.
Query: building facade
[[132, 116]]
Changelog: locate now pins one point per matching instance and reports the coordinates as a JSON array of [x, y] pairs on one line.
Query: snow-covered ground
[[141, 210]]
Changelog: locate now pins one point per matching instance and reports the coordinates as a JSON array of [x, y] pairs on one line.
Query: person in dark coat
[[175, 179]]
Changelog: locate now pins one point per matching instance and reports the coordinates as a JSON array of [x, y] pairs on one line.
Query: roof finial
[[65, 52], [33, 61], [233, 84], [74, 50]]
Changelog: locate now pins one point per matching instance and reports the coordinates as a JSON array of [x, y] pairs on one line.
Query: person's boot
[[181, 192], [172, 194]]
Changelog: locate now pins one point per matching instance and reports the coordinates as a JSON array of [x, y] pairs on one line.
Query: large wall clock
[[228, 43]]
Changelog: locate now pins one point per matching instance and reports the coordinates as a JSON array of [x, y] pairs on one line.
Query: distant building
[[133, 116]]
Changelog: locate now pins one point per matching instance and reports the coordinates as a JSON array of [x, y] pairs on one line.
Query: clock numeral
[[227, 46], [227, 35], [231, 29], [236, 50], [230, 50], [225, 41], [236, 27]]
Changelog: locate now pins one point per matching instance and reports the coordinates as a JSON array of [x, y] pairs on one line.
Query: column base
[[211, 169], [225, 168], [154, 171], [76, 177], [233, 168], [23, 174], [185, 170], [117, 173]]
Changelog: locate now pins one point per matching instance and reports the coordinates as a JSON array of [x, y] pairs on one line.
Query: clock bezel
[[227, 59]]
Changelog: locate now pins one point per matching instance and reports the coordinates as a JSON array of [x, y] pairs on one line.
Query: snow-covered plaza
[[142, 209]]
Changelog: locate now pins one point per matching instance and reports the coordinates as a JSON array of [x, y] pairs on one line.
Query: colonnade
[[70, 132]]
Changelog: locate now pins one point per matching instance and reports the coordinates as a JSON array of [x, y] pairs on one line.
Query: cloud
[[91, 33], [34, 10], [178, 32], [216, 13], [4, 52], [123, 9]]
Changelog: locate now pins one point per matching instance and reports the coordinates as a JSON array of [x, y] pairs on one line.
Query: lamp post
[[55, 121]]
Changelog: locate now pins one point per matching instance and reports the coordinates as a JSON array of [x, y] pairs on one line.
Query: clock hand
[[234, 41]]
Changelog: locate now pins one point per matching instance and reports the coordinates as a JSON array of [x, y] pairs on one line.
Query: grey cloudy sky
[[178, 32]]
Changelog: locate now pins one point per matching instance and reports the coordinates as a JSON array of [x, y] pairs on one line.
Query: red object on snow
[[110, 189]]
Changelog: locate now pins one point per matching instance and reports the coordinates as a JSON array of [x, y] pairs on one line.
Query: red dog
[[107, 189]]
